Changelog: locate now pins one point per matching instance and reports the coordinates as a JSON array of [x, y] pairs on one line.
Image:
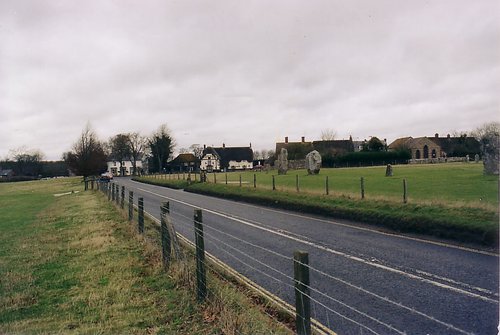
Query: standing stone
[[490, 146], [313, 162], [388, 170], [282, 161]]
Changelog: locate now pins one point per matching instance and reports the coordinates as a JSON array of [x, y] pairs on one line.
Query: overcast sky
[[243, 72]]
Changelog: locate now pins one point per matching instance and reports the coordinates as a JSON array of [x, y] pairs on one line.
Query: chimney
[[204, 146], [436, 135], [448, 136], [286, 139], [223, 145], [250, 144], [303, 139]]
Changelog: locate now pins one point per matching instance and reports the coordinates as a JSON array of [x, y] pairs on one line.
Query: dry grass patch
[[73, 264]]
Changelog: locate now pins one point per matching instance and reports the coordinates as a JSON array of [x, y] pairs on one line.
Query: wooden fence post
[[302, 293], [240, 179], [405, 191], [122, 200], [327, 187], [113, 192], [226, 177], [117, 198], [201, 280], [274, 184], [297, 182], [166, 242], [362, 188], [215, 178], [140, 219], [130, 205], [108, 189], [86, 182], [254, 180]]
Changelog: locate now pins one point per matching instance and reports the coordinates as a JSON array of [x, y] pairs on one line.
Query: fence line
[[202, 292], [251, 180], [318, 326], [291, 279], [213, 237], [240, 240]]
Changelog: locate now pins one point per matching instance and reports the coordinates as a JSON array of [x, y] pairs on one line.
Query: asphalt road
[[363, 281]]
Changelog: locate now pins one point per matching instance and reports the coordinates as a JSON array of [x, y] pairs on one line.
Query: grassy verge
[[459, 184], [70, 263], [460, 223]]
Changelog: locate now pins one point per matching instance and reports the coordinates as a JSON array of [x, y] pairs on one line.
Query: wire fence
[[287, 278], [288, 183]]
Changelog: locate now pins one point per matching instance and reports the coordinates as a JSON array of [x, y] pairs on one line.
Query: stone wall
[[437, 160]]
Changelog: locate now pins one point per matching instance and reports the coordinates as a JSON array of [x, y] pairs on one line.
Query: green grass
[[442, 183], [453, 183], [72, 264], [452, 201]]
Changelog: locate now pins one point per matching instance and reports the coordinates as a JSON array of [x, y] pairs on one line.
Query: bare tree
[[197, 150], [28, 161], [328, 134], [138, 147], [87, 157], [458, 133], [257, 154], [490, 128]]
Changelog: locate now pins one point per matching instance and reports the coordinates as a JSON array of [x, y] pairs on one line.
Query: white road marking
[[335, 252], [371, 230], [442, 244], [412, 310]]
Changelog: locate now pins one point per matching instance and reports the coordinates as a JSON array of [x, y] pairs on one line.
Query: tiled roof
[[227, 154]]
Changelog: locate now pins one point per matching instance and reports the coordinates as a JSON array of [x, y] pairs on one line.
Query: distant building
[[299, 150], [420, 148], [437, 147], [226, 158], [296, 150], [460, 146], [124, 169], [184, 163]]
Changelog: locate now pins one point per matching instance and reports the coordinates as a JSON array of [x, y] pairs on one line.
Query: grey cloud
[[240, 72]]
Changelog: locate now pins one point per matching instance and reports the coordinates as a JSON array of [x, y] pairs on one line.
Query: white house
[[210, 160], [115, 168], [220, 159]]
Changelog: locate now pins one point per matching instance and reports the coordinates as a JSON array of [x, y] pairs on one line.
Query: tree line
[[89, 155]]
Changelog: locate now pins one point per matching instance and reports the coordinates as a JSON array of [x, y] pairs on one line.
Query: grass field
[[70, 263], [451, 184]]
